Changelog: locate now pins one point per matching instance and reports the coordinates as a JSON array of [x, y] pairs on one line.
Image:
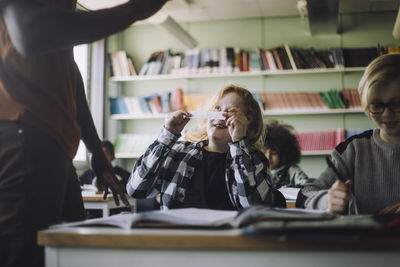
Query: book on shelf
[[154, 103], [351, 98], [254, 61], [176, 102], [262, 59], [114, 107], [234, 59], [290, 57], [320, 140], [143, 104], [359, 57], [121, 64], [132, 104], [158, 103], [332, 99], [154, 64], [193, 217], [284, 58], [277, 60], [165, 98]]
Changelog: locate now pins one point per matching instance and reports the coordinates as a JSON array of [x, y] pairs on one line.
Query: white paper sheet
[[214, 115]]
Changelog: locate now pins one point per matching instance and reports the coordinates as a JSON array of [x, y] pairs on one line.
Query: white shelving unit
[[281, 112], [230, 74], [266, 113], [271, 112]]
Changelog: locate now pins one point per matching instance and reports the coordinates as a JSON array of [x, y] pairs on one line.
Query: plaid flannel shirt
[[168, 165]]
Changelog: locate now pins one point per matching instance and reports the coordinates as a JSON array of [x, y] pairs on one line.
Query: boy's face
[[273, 157], [388, 121], [217, 130]]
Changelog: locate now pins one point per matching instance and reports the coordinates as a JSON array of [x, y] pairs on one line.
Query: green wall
[[357, 30]]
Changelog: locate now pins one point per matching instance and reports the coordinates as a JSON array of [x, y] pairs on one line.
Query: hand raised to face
[[237, 123], [176, 121]]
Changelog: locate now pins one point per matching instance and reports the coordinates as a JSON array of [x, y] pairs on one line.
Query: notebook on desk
[[192, 217], [338, 228]]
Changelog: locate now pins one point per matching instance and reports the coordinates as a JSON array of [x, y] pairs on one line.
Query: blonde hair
[[381, 71], [253, 114]]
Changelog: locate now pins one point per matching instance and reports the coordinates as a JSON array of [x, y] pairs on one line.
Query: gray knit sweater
[[374, 166]]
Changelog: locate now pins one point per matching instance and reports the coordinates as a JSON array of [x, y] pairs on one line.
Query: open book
[[192, 217], [338, 227]]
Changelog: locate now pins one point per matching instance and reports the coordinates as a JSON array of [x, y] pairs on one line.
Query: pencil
[[330, 165]]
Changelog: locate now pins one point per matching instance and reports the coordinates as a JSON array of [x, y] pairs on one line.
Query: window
[[81, 56]]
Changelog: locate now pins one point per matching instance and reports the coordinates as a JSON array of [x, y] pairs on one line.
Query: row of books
[[154, 103], [177, 100], [331, 99], [234, 59], [323, 140], [121, 64]]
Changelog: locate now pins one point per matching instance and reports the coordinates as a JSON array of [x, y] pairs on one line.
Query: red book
[[264, 59], [157, 103], [277, 60]]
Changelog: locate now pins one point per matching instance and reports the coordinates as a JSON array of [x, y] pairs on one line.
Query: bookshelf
[[360, 30], [231, 74], [266, 113]]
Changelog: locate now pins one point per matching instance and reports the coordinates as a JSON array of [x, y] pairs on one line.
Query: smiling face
[[217, 131], [388, 121]]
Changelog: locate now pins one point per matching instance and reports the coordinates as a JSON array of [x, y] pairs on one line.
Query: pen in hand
[[342, 179], [330, 165]]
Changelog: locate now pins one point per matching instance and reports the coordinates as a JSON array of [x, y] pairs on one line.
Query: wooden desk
[[92, 200], [290, 203], [97, 246]]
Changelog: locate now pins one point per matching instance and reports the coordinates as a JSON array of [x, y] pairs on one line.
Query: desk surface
[[92, 196], [232, 239]]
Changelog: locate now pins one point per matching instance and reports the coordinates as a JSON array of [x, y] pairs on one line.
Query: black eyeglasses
[[379, 108]]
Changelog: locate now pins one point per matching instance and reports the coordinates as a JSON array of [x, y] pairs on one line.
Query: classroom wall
[[357, 30]]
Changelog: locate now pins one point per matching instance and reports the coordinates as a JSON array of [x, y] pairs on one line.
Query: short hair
[[109, 146], [279, 136], [381, 71], [252, 112]]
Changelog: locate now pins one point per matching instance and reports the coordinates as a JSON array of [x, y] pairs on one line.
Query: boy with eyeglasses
[[370, 160]]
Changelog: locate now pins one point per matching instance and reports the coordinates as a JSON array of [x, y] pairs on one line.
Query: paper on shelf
[[214, 115]]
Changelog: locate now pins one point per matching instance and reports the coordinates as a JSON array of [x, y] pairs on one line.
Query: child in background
[[369, 161], [89, 176], [221, 167], [282, 149]]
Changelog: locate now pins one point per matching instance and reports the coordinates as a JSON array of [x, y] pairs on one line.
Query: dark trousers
[[38, 187]]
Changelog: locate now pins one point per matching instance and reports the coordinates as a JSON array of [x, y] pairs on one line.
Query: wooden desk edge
[[202, 239]]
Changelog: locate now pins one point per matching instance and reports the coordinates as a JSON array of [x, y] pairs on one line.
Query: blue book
[[123, 109], [114, 108], [144, 106], [165, 102]]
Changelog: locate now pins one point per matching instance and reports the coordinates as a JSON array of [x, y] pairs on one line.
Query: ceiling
[[199, 10]]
